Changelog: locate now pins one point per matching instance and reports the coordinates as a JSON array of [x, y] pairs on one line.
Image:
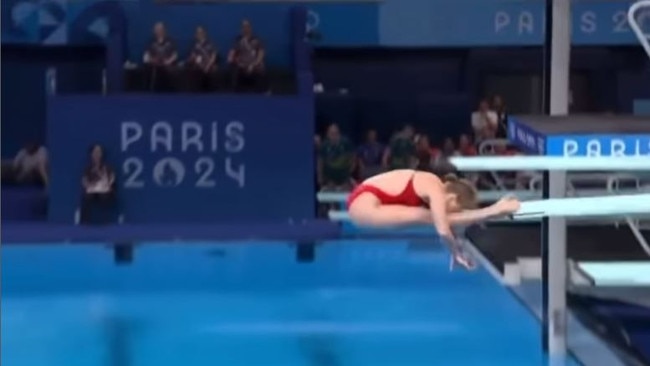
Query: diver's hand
[[460, 257], [449, 239], [507, 205]]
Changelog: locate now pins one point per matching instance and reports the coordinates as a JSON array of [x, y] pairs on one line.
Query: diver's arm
[[507, 205], [434, 190], [469, 217], [439, 216]]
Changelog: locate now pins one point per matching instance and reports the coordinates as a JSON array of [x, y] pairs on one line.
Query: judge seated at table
[[202, 64], [160, 61], [247, 61], [98, 183]]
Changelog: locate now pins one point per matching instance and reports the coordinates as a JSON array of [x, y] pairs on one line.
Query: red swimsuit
[[408, 196]]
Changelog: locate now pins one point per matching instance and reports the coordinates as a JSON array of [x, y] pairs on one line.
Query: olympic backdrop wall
[[187, 159], [426, 23]]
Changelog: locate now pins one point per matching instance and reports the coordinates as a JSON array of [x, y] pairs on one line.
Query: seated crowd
[[341, 165], [490, 120], [165, 70]]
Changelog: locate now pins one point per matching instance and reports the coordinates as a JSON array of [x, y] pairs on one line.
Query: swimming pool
[[346, 302]]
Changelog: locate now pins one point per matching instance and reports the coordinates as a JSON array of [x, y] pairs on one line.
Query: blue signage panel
[[597, 22], [525, 138], [498, 22], [187, 159], [388, 22], [61, 22], [599, 146], [534, 142], [340, 24]]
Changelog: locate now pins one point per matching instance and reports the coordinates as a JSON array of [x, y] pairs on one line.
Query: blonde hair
[[463, 189]]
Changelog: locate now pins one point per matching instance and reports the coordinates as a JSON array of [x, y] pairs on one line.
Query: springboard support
[[554, 269], [634, 227], [554, 261]]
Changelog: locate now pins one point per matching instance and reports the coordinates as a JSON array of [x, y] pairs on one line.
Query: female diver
[[407, 197]]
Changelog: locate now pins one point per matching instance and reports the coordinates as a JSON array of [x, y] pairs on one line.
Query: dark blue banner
[[577, 145], [187, 159], [388, 22], [525, 138]]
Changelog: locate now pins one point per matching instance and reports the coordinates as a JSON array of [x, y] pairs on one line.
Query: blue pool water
[[388, 302]]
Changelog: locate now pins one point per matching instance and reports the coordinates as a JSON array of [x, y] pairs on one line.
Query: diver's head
[[461, 194]]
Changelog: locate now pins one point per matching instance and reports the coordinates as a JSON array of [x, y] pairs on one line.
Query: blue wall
[[24, 87], [187, 159], [642, 107], [436, 89]]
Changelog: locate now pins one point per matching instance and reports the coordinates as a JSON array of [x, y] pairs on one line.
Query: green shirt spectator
[[401, 150], [335, 160]]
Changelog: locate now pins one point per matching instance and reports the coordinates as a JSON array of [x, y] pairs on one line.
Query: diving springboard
[[528, 163], [490, 196], [624, 205], [584, 207]]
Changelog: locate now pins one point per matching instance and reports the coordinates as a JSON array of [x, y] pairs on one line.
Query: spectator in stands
[[159, 60], [370, 156], [466, 146], [484, 122], [202, 64], [247, 60], [523, 178], [30, 165], [448, 149], [499, 107], [335, 161], [441, 156], [401, 152], [504, 150], [503, 179], [425, 153], [98, 183]]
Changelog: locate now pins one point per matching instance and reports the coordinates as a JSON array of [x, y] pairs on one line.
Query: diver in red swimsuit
[[407, 197]]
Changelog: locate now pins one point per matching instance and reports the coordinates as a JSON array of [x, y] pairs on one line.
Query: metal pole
[[554, 241]]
